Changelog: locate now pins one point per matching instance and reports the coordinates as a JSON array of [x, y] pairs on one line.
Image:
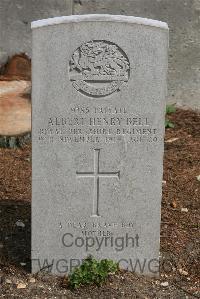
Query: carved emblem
[[98, 68]]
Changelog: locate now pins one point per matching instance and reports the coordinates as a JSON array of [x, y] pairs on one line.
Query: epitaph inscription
[[98, 68]]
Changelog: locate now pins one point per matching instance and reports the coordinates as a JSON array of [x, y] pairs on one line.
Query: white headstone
[[99, 86]]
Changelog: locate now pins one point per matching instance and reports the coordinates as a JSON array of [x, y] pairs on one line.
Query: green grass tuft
[[169, 109]]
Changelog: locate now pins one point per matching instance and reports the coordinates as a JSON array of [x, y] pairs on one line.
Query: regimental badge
[[98, 68]]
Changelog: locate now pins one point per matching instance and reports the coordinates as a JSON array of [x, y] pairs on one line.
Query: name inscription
[[82, 124]]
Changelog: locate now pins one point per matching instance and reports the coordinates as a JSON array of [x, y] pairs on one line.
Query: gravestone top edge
[[98, 18]]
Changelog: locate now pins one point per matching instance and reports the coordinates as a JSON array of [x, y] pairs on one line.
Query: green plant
[[169, 109], [92, 271], [169, 124]]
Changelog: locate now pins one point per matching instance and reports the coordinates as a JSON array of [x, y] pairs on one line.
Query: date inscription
[[82, 124]]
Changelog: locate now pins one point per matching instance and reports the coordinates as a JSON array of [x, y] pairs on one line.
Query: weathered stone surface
[[182, 17], [98, 126]]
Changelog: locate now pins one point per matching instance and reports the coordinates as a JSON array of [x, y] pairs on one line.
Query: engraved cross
[[96, 175]]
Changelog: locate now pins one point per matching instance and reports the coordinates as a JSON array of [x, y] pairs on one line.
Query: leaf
[[92, 271], [170, 109], [168, 124], [174, 204]]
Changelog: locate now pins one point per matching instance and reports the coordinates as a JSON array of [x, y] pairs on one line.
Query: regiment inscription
[[97, 124]]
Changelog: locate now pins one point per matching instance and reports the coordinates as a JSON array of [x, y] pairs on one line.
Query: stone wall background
[[15, 22], [182, 16]]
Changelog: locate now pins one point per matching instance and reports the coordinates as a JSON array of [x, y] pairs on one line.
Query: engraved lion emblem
[[98, 68], [99, 58]]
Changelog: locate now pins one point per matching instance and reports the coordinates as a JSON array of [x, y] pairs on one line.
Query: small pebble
[[32, 280], [164, 284], [23, 264], [20, 223], [8, 281], [188, 278], [41, 286], [21, 286], [184, 210], [183, 272], [171, 140], [198, 178]]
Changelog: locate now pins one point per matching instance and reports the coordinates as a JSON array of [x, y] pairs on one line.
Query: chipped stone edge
[[98, 18]]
